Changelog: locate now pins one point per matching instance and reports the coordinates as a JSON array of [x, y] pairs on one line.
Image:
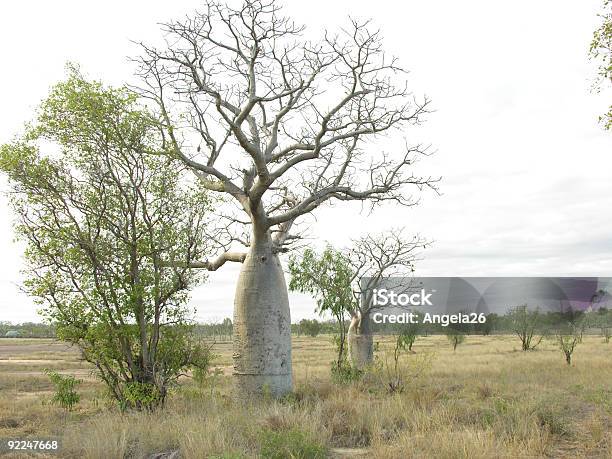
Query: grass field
[[486, 400]]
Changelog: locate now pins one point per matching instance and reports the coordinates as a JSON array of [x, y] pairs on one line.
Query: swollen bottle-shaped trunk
[[262, 325], [360, 342]]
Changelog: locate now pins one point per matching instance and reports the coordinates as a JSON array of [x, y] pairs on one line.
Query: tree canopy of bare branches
[[280, 123]]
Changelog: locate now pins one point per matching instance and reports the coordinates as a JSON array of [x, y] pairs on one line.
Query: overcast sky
[[526, 170]]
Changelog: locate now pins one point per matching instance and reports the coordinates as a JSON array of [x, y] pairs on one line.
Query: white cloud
[[526, 169]]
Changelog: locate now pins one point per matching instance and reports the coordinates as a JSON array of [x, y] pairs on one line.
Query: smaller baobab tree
[[373, 259], [281, 125], [343, 282]]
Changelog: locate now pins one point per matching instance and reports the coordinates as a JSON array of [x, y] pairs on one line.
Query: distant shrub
[[206, 378], [310, 327], [455, 337], [395, 373], [290, 444], [527, 325], [345, 373], [567, 339], [65, 394]]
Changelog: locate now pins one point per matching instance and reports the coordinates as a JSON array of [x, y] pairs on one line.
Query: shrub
[[526, 325], [207, 379], [65, 394], [455, 337], [567, 339], [345, 373]]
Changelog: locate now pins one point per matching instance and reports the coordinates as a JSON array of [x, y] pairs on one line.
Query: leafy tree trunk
[[360, 342], [262, 323]]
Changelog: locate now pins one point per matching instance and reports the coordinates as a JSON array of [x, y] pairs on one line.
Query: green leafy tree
[[409, 332], [603, 320], [527, 325], [403, 342], [99, 206], [567, 338], [601, 51], [455, 337], [328, 277]]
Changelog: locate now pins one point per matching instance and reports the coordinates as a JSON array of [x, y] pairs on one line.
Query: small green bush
[[290, 444], [345, 373], [65, 394]]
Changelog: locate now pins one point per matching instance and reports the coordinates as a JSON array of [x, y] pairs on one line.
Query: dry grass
[[486, 400]]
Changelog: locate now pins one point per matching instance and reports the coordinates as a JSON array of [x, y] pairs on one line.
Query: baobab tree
[[343, 281], [373, 259], [281, 125]]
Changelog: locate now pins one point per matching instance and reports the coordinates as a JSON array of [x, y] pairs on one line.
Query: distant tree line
[[28, 329], [221, 331], [523, 322]]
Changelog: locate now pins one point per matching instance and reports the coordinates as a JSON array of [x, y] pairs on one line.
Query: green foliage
[[141, 395], [455, 337], [407, 335], [310, 327], [345, 373], [601, 51], [290, 444], [29, 329], [100, 206], [603, 320], [65, 394], [342, 372], [328, 277], [527, 325], [405, 340], [207, 379], [567, 338]]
